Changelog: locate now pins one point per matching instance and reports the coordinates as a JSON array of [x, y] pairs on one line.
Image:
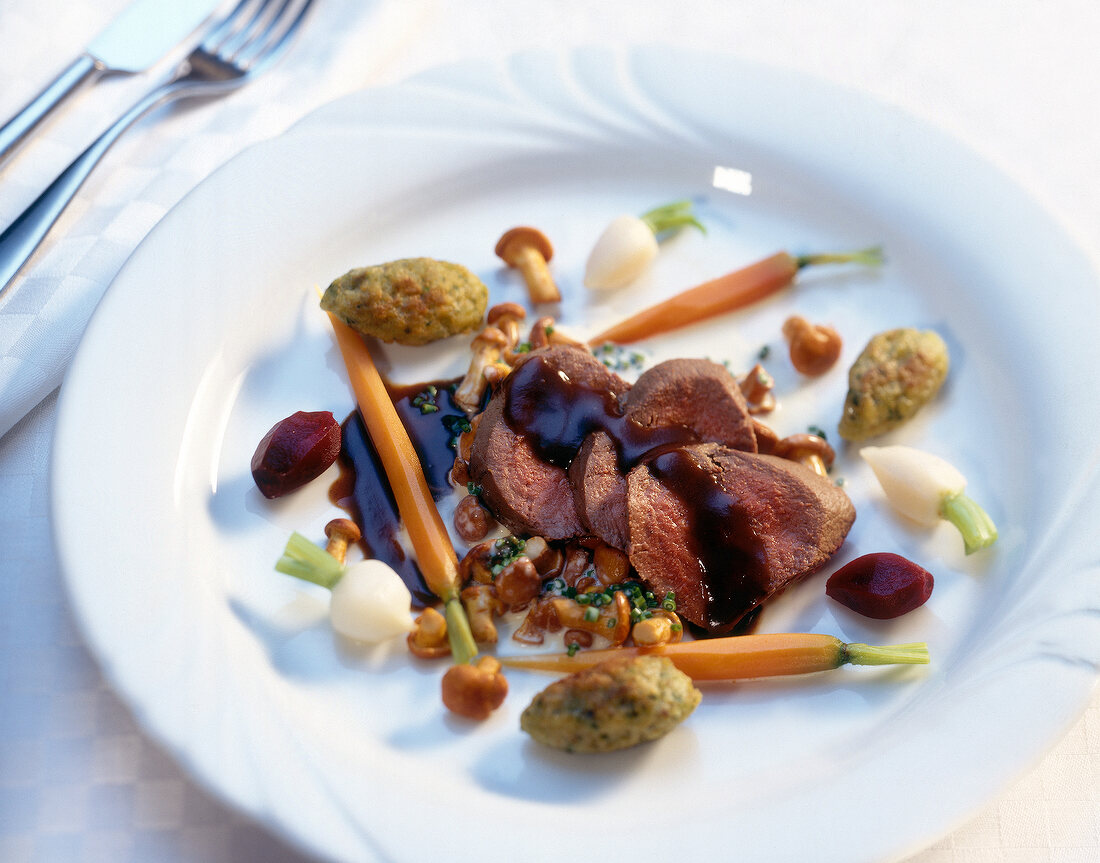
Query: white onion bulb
[[621, 254], [915, 482], [371, 603]]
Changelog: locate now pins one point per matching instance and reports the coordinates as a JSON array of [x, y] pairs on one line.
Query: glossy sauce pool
[[431, 418]]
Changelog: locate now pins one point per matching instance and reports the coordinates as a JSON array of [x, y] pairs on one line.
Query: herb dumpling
[[412, 301], [613, 705], [897, 374]]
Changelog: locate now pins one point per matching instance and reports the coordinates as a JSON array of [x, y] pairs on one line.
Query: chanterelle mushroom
[[528, 250], [809, 449], [757, 386], [814, 348], [544, 333], [487, 347], [507, 317], [341, 532]]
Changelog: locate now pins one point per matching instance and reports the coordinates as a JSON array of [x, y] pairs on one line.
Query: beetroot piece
[[297, 449], [880, 585]]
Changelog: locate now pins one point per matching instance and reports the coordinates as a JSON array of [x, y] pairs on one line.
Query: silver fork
[[234, 50]]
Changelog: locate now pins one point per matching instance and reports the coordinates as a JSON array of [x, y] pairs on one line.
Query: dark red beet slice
[[297, 449], [880, 585]]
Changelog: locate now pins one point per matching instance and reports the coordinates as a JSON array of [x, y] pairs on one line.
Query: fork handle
[[23, 236], [83, 70]]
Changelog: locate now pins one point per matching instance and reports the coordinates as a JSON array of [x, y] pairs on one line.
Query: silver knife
[[142, 34]]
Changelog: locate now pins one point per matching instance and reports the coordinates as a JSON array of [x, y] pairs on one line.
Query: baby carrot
[[742, 656], [725, 293], [434, 552]]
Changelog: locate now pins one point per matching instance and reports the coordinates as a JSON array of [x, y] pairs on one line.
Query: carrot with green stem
[[431, 543], [741, 657], [726, 293]]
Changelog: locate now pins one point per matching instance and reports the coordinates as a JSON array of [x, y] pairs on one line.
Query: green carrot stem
[[973, 522], [856, 653], [306, 560], [870, 257], [461, 639], [671, 217]]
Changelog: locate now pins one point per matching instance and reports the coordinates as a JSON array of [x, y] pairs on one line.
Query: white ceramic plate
[[211, 334]]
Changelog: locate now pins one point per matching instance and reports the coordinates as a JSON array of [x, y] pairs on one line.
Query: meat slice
[[527, 493], [599, 490], [726, 530], [695, 394], [698, 394]]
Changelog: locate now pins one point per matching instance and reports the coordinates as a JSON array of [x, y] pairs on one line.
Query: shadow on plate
[[301, 644], [520, 768]]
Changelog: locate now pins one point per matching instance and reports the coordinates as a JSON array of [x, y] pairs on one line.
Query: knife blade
[[141, 34]]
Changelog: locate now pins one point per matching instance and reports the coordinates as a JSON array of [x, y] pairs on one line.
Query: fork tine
[[258, 29], [227, 24], [270, 43], [204, 72], [241, 34]]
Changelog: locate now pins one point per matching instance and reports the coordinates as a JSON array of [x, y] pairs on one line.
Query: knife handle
[[81, 71]]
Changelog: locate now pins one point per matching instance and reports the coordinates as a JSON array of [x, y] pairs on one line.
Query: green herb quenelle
[[619, 703], [412, 301], [896, 374]]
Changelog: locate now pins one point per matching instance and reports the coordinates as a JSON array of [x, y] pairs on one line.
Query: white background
[[1017, 81]]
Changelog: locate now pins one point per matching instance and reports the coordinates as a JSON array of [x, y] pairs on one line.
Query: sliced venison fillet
[[699, 394], [523, 477], [527, 495], [726, 530], [599, 490]]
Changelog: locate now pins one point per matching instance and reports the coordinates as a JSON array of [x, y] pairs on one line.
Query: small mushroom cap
[[797, 445], [343, 528], [794, 326], [766, 438], [490, 337], [502, 310], [518, 238]]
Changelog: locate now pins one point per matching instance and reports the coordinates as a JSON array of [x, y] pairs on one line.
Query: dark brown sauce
[[727, 550], [363, 491], [745, 626], [432, 432], [555, 414]]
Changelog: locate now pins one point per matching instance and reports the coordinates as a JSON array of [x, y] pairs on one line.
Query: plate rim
[[428, 79]]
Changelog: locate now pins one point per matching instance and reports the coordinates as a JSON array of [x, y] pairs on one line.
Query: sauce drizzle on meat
[[555, 414], [727, 550]]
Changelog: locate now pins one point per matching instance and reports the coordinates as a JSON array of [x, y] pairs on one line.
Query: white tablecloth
[[1018, 81]]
